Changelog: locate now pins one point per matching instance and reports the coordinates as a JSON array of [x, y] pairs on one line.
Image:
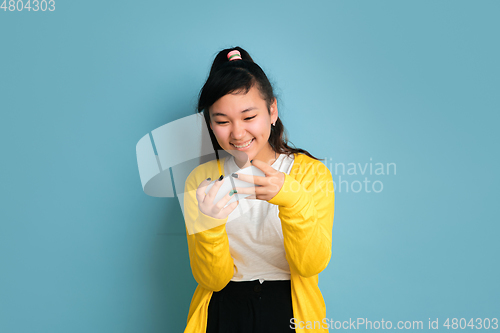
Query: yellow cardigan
[[306, 209]]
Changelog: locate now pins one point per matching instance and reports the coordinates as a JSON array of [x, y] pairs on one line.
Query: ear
[[274, 111]]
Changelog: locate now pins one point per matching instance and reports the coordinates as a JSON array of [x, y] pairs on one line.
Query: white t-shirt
[[255, 234]]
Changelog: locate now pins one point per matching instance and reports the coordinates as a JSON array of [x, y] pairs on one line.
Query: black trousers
[[251, 307]]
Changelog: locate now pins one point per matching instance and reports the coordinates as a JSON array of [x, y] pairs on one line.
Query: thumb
[[229, 209]]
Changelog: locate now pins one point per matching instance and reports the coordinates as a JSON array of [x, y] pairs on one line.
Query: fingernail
[[251, 161], [221, 177], [232, 192], [235, 175], [209, 178]]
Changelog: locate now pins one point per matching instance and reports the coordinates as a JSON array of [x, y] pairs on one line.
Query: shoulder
[[307, 167], [313, 175]]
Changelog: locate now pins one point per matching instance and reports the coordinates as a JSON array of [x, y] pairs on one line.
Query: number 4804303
[[35, 5]]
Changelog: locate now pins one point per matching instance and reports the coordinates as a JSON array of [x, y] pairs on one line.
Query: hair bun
[[234, 55]]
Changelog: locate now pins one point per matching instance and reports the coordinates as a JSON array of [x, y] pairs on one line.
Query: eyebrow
[[222, 114]]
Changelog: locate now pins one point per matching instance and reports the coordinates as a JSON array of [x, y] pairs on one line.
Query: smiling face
[[242, 125]]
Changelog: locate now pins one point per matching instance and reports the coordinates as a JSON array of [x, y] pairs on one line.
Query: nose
[[238, 131]]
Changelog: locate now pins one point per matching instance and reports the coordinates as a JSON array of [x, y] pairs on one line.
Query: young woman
[[256, 261]]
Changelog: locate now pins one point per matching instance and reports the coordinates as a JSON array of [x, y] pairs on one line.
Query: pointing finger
[[257, 180]]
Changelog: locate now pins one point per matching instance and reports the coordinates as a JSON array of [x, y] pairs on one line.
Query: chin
[[239, 155]]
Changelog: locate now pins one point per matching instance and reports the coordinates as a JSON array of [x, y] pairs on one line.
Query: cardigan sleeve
[[208, 244], [306, 208]]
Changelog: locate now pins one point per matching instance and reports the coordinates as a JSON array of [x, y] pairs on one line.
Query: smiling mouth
[[243, 145]]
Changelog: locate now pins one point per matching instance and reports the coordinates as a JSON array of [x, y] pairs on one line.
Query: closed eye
[[225, 122]]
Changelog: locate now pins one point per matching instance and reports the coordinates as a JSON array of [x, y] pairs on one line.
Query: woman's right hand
[[206, 200]]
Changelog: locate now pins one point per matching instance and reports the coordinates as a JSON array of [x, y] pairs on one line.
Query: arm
[[306, 208], [208, 244]]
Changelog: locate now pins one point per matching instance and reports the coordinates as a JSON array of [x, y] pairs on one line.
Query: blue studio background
[[407, 87]]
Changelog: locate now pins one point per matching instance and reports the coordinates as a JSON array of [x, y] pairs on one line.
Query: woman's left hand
[[266, 187]]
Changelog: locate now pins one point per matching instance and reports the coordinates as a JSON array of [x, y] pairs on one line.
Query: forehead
[[234, 104]]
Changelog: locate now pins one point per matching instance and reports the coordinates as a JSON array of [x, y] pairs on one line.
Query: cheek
[[259, 128], [219, 132]]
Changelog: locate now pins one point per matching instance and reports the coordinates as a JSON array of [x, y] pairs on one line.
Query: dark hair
[[240, 76]]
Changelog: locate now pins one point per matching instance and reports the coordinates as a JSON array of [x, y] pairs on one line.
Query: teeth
[[249, 142]]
